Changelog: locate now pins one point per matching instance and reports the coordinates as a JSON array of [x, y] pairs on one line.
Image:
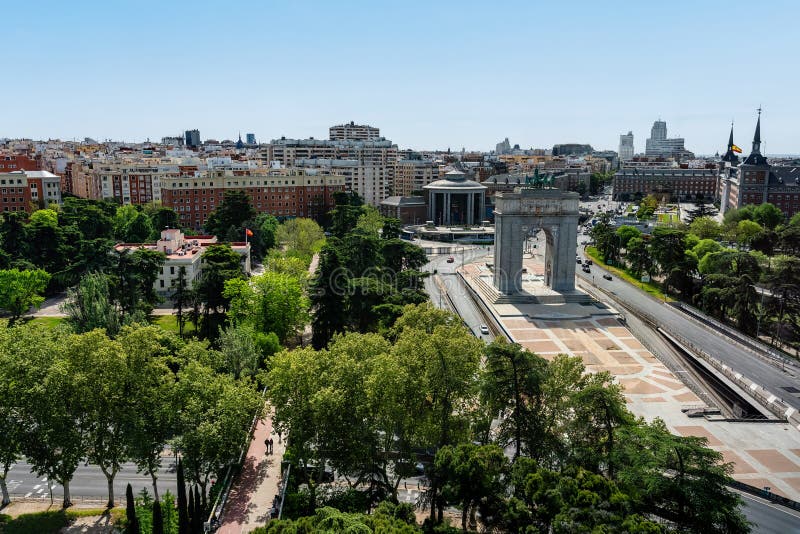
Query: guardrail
[[765, 493], [767, 399], [218, 508], [761, 350]]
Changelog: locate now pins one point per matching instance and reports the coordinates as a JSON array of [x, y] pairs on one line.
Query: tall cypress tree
[[191, 514], [183, 516], [198, 511], [130, 512], [158, 519]]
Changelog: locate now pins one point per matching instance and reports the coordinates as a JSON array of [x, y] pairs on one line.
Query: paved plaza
[[764, 454]]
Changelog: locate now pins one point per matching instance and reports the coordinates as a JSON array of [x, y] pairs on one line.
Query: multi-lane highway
[[773, 379], [89, 482]]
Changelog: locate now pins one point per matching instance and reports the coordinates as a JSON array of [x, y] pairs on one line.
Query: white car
[[484, 329]]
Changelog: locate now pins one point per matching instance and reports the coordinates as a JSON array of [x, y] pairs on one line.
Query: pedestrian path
[[253, 491]]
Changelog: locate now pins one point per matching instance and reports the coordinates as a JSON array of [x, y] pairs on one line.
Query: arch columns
[[554, 211]]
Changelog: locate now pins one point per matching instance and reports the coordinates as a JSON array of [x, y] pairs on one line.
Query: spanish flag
[[249, 232], [736, 149]]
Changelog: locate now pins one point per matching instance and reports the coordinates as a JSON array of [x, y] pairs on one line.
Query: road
[[768, 518], [773, 379], [89, 482], [465, 307]]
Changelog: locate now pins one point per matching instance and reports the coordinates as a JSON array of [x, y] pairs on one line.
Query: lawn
[[170, 323], [668, 218], [50, 322], [49, 522], [652, 288]]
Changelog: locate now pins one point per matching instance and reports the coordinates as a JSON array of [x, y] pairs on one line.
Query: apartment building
[[18, 162], [29, 190], [370, 180], [412, 175], [281, 192], [359, 132]]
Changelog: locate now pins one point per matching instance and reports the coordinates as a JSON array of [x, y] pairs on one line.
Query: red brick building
[[279, 192]]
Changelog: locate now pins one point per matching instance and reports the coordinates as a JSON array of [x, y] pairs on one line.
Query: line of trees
[[366, 273], [67, 398], [721, 268], [371, 406]]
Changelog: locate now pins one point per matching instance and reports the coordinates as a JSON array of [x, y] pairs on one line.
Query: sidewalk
[[251, 495]]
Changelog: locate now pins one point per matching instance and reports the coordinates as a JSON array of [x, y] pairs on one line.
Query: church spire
[[755, 157], [757, 136], [730, 155]]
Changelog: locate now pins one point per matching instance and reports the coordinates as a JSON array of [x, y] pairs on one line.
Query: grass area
[[50, 322], [651, 288], [49, 522], [170, 323], [669, 218]]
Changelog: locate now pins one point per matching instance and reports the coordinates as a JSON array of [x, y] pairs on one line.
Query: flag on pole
[[736, 149], [248, 232]]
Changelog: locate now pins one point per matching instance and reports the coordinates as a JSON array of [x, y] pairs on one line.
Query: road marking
[[28, 494], [44, 479], [40, 490], [37, 486]]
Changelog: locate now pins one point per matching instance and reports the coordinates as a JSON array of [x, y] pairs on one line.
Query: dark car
[[586, 269], [607, 277], [589, 262]]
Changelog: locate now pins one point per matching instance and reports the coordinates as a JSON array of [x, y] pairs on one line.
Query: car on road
[[451, 259], [578, 260], [607, 276], [484, 329], [589, 262], [586, 269]]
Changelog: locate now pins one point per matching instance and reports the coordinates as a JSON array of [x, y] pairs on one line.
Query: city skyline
[[451, 75]]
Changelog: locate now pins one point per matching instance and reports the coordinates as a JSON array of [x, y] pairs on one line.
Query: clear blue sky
[[430, 74]]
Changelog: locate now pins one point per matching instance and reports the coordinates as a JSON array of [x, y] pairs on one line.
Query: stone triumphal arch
[[551, 210]]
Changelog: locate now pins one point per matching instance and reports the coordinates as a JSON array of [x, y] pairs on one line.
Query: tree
[[704, 247], [151, 420], [679, 479], [221, 263], [638, 257], [264, 227], [470, 475], [158, 518], [131, 225], [12, 417], [705, 228], [181, 297], [746, 231], [231, 213], [728, 288], [626, 233], [783, 281], [599, 410], [214, 419], [161, 218], [238, 347], [54, 405], [183, 509], [99, 364], [133, 280], [21, 290], [668, 248], [89, 306], [512, 384], [370, 221], [302, 238], [275, 302], [132, 526], [768, 215], [608, 243], [13, 234]]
